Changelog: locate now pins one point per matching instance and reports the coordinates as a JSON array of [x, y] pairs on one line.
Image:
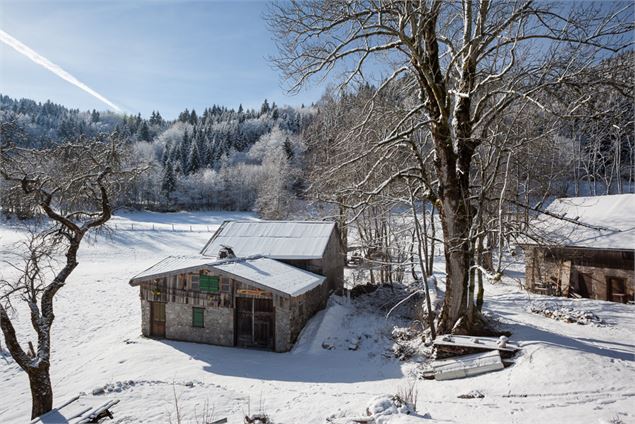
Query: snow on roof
[[274, 239], [274, 274], [268, 273], [612, 218], [171, 264]]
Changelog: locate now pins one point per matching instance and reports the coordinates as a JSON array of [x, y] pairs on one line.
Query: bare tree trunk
[[479, 260], [456, 248], [424, 276], [433, 235], [41, 390]]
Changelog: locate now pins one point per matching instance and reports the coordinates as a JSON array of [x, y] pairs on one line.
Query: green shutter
[[197, 317], [209, 284]]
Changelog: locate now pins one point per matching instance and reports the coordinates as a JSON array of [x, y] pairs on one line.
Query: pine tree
[[264, 109], [168, 182], [288, 149], [201, 145], [185, 152], [156, 119], [165, 157], [194, 160], [144, 132], [210, 153], [193, 118], [184, 116], [94, 116]]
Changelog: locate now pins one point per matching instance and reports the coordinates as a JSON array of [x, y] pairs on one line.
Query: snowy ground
[[567, 372]]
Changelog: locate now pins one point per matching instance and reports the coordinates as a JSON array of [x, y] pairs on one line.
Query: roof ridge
[[268, 221]]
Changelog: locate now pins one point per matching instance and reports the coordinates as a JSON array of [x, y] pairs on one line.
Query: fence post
[[131, 227], [172, 227]]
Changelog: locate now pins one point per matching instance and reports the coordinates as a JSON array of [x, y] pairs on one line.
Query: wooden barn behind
[[255, 284], [584, 247]]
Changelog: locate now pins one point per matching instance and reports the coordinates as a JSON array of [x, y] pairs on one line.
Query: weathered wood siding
[[562, 271]]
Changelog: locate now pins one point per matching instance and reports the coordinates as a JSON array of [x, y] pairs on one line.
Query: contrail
[[41, 60]]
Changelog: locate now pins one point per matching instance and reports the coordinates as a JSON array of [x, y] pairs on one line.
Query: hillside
[[565, 373]]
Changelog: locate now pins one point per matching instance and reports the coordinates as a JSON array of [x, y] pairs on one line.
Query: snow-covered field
[[566, 372]]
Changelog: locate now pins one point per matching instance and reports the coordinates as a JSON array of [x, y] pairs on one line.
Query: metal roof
[[261, 271], [274, 274], [609, 223], [170, 264], [274, 239]]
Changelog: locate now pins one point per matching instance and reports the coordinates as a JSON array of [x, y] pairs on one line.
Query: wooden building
[[585, 248], [237, 297]]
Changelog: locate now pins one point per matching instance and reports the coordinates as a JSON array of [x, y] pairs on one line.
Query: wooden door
[[254, 322], [585, 285], [157, 319], [244, 321], [263, 323]]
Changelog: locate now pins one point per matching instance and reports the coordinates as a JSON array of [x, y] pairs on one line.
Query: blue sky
[[144, 55]]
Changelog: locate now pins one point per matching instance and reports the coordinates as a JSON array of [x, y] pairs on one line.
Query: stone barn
[[255, 284], [584, 247]]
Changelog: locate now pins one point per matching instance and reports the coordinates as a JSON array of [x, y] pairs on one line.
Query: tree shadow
[[527, 335]]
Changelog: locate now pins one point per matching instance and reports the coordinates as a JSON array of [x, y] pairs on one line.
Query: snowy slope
[[567, 372]]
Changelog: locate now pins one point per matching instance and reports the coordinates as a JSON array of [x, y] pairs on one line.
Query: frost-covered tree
[[194, 159], [184, 152], [144, 132]]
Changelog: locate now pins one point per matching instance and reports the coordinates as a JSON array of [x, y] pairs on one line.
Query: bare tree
[[469, 62], [72, 184]]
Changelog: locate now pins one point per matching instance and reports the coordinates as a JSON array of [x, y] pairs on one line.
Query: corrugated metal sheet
[[268, 273], [274, 274], [616, 213], [274, 239], [171, 264], [467, 365]]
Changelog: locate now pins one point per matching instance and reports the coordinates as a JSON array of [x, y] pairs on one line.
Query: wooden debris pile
[[465, 356], [566, 314]]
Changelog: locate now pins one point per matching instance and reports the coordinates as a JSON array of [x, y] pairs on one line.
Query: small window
[[225, 285], [195, 282], [209, 283], [198, 317]]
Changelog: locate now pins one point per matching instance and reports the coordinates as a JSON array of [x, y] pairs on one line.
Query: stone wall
[[218, 325], [145, 318], [303, 307], [333, 263], [283, 331]]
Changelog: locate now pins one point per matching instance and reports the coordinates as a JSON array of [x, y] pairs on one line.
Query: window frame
[[210, 284]]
